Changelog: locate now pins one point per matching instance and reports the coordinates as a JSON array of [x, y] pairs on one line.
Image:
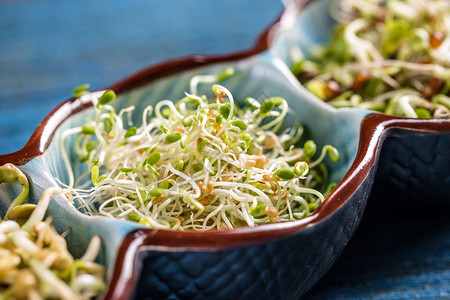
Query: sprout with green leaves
[[388, 56], [201, 163]]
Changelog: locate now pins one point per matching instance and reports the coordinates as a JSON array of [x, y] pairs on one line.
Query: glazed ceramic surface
[[276, 261]]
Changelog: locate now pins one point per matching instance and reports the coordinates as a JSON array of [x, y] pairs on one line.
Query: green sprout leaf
[[107, 97], [81, 90], [87, 130], [130, 132], [173, 137], [202, 145], [285, 174], [95, 172], [309, 149], [153, 158], [258, 210]]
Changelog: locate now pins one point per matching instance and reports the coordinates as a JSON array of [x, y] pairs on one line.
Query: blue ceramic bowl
[[275, 261]]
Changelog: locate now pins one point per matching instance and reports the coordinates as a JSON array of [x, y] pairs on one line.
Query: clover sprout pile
[[34, 260], [391, 56], [198, 163]]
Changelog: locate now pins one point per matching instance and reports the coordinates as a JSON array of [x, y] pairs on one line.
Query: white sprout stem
[[195, 80], [92, 249], [310, 191], [364, 50], [408, 110], [49, 278], [39, 212], [263, 196], [66, 160]]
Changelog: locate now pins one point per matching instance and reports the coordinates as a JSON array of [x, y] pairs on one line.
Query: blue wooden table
[[48, 47]]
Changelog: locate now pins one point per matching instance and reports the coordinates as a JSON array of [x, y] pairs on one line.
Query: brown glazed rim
[[121, 286]]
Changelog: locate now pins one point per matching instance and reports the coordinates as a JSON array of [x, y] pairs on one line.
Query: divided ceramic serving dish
[[407, 158]]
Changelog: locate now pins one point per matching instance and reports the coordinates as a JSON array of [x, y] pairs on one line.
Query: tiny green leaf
[[285, 173], [187, 122], [173, 137], [164, 129], [107, 97], [266, 107], [225, 110], [108, 124], [130, 132], [218, 90], [133, 217], [87, 130], [153, 158], [184, 141], [239, 124], [80, 90], [164, 185], [226, 74], [202, 145], [179, 165], [90, 146], [309, 149], [333, 153], [126, 170], [277, 101], [252, 103], [197, 167], [422, 113], [155, 192], [258, 210], [95, 172]]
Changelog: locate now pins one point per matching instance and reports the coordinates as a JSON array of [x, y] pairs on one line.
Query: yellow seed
[[218, 129], [257, 150], [271, 211], [261, 161], [273, 219], [267, 177], [158, 199], [250, 163], [22, 211], [228, 177], [122, 177], [179, 129], [204, 201], [212, 113], [269, 142], [208, 187]]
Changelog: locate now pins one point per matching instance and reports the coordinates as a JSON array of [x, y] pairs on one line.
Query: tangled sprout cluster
[[199, 163], [391, 56], [34, 260]]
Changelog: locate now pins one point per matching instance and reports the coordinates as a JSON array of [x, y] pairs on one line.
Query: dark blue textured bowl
[[276, 261]]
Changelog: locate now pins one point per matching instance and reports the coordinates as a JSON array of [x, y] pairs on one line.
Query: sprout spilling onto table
[[199, 163], [389, 56], [34, 260]]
